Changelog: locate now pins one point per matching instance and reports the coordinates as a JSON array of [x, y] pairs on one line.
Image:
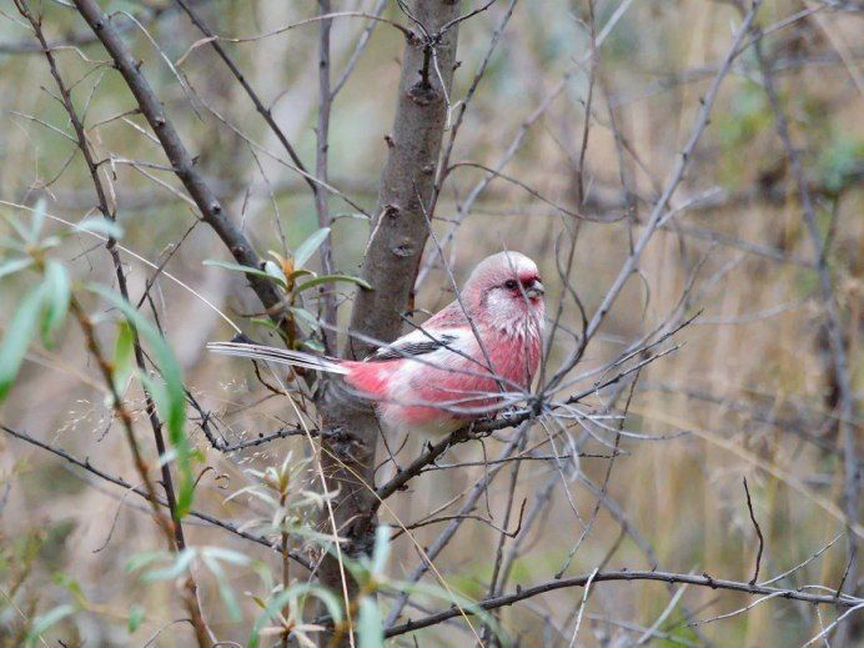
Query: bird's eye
[[510, 284]]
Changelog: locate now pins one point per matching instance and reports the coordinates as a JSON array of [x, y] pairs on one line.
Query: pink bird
[[467, 361]]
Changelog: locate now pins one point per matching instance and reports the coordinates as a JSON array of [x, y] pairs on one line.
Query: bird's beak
[[536, 290]]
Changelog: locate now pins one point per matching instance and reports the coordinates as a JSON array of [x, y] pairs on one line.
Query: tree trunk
[[398, 237]]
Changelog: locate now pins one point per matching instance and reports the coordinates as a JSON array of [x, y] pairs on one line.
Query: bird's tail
[[280, 356]]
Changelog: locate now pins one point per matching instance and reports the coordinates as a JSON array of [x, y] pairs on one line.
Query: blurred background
[[751, 390]]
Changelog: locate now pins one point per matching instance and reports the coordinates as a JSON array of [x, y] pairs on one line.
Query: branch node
[[405, 249]]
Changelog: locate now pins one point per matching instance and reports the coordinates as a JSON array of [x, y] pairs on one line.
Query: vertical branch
[[400, 231], [758, 534], [586, 129], [321, 198], [390, 267]]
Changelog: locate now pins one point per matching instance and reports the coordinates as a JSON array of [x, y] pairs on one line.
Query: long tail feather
[[280, 356]]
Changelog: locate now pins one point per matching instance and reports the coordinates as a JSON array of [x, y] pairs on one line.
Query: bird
[[473, 358]]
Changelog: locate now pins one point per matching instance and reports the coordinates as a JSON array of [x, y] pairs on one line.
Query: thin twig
[[758, 533]]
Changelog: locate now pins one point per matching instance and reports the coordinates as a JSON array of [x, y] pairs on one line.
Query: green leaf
[[124, 356], [136, 617], [300, 273], [44, 621], [226, 555], [17, 225], [307, 321], [236, 267], [175, 570], [38, 221], [275, 272], [324, 279], [314, 346], [74, 587], [18, 337], [290, 597], [171, 401], [59, 294], [225, 591], [180, 451], [308, 247], [143, 559], [370, 626], [13, 266], [101, 226], [382, 550]]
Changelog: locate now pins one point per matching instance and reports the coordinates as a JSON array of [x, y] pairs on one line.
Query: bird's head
[[505, 288]]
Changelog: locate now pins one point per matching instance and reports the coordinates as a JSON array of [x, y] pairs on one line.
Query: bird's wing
[[419, 342]]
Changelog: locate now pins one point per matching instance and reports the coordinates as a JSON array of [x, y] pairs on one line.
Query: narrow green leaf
[[173, 571], [18, 337], [313, 345], [236, 267], [101, 226], [165, 405], [144, 559], [13, 266], [124, 356], [308, 247], [44, 621], [225, 592], [307, 321], [370, 626], [38, 221], [325, 279], [382, 550], [226, 555], [137, 615], [17, 225], [74, 587], [300, 273], [59, 294], [172, 401], [275, 272], [290, 597]]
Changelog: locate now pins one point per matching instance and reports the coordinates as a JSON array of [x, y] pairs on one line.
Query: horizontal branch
[[704, 580]]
